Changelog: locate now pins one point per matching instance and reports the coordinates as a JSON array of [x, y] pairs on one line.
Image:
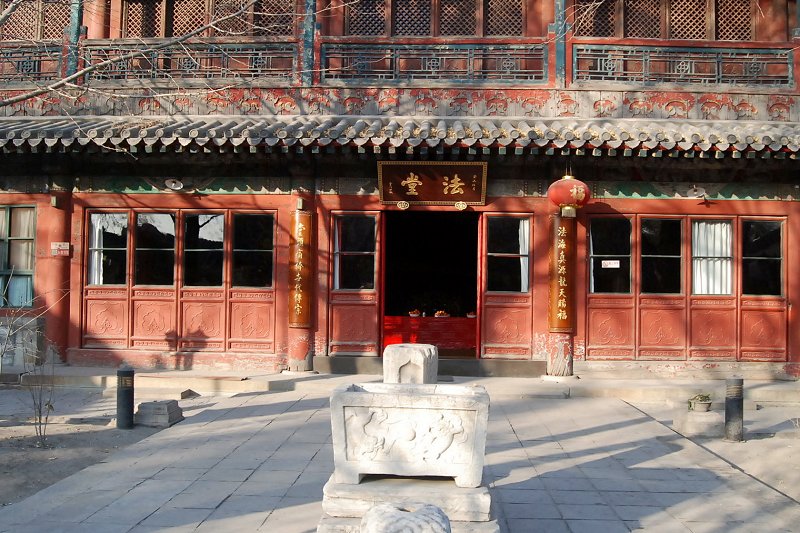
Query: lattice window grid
[[734, 20], [457, 17], [504, 17], [274, 17], [687, 19], [188, 16], [143, 18], [642, 18], [595, 18], [412, 17]]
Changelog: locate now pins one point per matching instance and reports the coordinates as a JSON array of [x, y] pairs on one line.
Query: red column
[[561, 304]]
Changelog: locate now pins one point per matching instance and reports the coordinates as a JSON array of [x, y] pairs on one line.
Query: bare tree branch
[[9, 10]]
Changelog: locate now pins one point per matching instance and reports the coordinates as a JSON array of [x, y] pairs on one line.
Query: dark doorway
[[431, 263]]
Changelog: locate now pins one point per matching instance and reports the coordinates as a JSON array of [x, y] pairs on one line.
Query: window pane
[[356, 272], [155, 267], [203, 232], [661, 275], [610, 236], [712, 264], [356, 234], [108, 243], [661, 237], [203, 268], [252, 269], [613, 276], [761, 239], [506, 274], [108, 230], [761, 277], [155, 230], [20, 255], [252, 232], [507, 235], [23, 222], [107, 267], [20, 291]]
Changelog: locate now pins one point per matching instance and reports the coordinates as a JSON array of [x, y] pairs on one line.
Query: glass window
[[712, 262], [761, 258], [17, 231], [155, 249], [661, 256], [252, 250], [610, 255], [203, 254], [108, 248], [507, 261], [354, 250]]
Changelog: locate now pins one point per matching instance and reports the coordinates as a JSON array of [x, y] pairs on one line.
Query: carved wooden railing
[[661, 65], [24, 62], [226, 60], [390, 62]]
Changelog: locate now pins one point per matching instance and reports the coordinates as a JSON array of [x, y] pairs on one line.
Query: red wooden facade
[[223, 206]]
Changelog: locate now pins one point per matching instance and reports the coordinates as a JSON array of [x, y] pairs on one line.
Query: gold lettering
[[411, 183], [577, 193], [562, 231], [562, 303], [453, 185], [562, 269], [562, 281], [562, 244], [561, 315]]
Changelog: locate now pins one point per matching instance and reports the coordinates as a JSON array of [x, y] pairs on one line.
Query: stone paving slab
[[258, 462]]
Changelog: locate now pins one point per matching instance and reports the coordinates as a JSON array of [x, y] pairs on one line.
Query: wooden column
[[301, 286], [561, 304], [95, 19]]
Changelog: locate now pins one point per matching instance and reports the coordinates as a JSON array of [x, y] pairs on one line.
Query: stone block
[[412, 518], [459, 504], [410, 363], [699, 424], [329, 524], [409, 430], [160, 414]]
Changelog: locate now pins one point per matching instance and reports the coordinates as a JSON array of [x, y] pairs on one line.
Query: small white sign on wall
[[609, 263]]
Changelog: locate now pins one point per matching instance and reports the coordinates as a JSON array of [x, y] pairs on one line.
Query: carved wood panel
[[252, 326], [713, 333], [354, 325], [153, 324], [106, 322], [662, 333], [763, 334], [202, 325], [610, 332], [507, 330]]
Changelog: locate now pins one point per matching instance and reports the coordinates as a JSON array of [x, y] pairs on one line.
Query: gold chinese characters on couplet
[[561, 314]]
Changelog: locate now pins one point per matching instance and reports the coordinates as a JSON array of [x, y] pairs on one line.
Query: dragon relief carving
[[391, 435]]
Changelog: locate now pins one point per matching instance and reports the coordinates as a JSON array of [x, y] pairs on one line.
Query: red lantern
[[569, 194]]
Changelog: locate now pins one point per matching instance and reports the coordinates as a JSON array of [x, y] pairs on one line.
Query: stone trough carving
[[409, 430]]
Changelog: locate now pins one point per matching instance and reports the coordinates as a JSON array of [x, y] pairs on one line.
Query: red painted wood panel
[[443, 332]]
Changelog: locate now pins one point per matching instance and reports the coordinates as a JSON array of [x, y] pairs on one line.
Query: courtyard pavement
[[258, 461]]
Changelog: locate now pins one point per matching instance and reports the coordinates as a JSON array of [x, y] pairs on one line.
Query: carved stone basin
[[409, 430]]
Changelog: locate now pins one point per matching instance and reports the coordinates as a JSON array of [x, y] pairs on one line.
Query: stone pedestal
[[161, 414], [409, 430], [410, 363]]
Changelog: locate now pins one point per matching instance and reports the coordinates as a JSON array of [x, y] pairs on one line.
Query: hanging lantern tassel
[[568, 194]]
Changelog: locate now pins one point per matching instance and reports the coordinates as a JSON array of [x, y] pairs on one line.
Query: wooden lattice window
[[724, 20], [36, 20], [426, 18], [173, 18]]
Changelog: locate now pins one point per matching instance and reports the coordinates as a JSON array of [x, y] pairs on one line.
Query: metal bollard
[[125, 398], [734, 409]]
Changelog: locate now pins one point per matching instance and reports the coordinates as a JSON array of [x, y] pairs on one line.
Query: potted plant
[[700, 402]]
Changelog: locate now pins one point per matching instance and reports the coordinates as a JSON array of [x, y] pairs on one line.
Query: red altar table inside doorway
[[447, 333]]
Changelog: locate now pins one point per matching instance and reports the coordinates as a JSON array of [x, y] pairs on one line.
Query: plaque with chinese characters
[[432, 183]]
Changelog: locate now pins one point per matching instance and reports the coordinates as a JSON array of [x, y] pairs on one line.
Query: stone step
[[460, 504], [329, 524]]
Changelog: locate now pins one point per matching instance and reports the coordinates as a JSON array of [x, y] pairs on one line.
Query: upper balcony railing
[[23, 62], [118, 60], [393, 63], [670, 65]]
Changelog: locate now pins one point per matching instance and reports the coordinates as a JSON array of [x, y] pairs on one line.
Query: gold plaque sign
[[432, 183]]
